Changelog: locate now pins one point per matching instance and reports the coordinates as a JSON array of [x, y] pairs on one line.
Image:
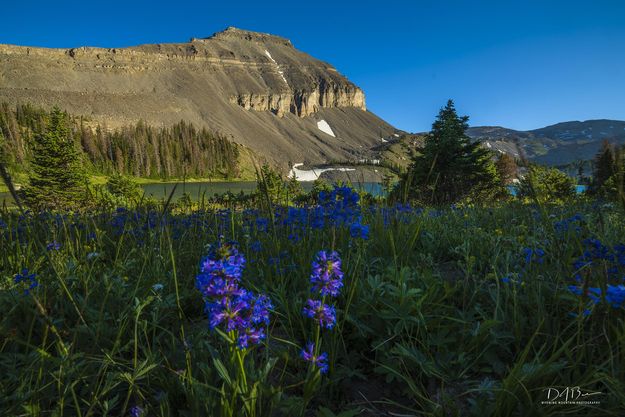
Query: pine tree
[[506, 168], [605, 165], [56, 177], [450, 167]]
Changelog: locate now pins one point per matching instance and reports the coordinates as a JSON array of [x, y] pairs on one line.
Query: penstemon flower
[[323, 314], [327, 277], [227, 304], [319, 361]]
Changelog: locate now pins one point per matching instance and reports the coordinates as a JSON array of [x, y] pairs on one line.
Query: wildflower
[[358, 230], [227, 304], [533, 255], [157, 287], [320, 361], [27, 279], [136, 411], [320, 312], [327, 277], [614, 295], [250, 335], [53, 246]]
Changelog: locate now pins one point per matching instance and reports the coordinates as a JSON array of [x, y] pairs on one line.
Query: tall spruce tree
[[605, 165], [450, 167], [56, 178]]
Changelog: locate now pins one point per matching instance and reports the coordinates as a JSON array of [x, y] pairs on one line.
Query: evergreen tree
[[450, 167], [605, 165], [56, 177], [506, 168]]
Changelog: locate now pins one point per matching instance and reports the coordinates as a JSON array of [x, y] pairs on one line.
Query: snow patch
[[311, 174], [396, 135], [489, 145], [383, 140], [277, 66], [325, 127]]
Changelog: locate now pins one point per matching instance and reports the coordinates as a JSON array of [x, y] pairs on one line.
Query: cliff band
[[255, 88]]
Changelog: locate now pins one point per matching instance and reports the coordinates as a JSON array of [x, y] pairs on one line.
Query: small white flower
[[157, 287]]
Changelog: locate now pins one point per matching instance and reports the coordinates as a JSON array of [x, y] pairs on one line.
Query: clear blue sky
[[523, 64]]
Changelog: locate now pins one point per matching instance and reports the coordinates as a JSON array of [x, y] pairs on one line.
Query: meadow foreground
[[337, 308]]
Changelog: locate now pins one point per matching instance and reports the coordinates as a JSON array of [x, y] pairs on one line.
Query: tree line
[[450, 168], [138, 149]]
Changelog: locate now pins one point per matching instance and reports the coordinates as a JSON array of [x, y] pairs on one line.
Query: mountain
[[256, 89], [558, 144]]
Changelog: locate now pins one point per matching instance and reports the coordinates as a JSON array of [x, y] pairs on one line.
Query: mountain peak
[[233, 33]]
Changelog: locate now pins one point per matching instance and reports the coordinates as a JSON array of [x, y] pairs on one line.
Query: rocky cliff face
[[256, 88]]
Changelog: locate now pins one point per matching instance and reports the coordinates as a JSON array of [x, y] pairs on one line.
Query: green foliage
[[122, 186], [181, 150], [609, 176], [546, 185], [273, 188], [605, 165], [426, 325], [56, 179], [506, 168], [450, 168]]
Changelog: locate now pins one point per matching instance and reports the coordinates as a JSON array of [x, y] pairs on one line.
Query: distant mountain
[[256, 89], [559, 144]]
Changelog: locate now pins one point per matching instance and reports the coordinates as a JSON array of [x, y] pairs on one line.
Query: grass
[[440, 314]]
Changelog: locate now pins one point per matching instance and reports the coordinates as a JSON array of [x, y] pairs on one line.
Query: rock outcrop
[[256, 88]]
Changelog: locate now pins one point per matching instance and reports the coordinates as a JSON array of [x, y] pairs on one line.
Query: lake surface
[[199, 190], [578, 189]]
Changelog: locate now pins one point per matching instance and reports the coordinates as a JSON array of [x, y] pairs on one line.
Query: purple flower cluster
[[136, 411], [322, 313], [53, 246], [327, 277], [227, 304], [320, 361], [327, 281]]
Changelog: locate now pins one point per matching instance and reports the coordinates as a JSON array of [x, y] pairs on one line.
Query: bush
[[546, 185], [122, 186]]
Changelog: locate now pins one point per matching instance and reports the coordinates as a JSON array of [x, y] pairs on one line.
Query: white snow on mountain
[[325, 127]]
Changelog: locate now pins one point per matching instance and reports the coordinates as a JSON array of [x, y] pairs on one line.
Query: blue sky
[[523, 64]]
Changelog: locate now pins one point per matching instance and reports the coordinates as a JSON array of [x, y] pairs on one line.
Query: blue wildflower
[[136, 411], [358, 230], [320, 361], [227, 304], [323, 314], [533, 255], [53, 246], [28, 280], [327, 276]]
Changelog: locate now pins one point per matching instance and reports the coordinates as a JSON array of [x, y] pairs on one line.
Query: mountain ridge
[[557, 144], [256, 88]]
